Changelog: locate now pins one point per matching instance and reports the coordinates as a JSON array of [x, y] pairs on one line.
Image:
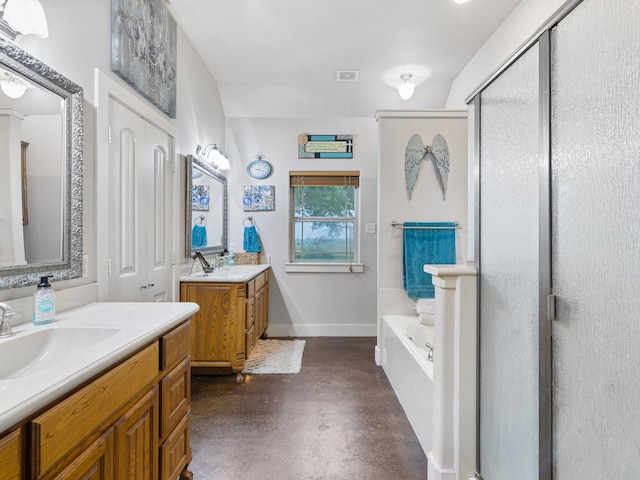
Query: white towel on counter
[[427, 319], [426, 305]]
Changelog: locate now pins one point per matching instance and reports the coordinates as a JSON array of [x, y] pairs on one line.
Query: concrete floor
[[338, 419]]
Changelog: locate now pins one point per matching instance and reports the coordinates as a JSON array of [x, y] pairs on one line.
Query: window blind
[[324, 178]]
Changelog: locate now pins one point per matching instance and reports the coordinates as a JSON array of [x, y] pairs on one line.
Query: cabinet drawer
[[175, 396], [57, 432], [251, 288], [260, 280], [10, 453], [175, 345], [175, 453]]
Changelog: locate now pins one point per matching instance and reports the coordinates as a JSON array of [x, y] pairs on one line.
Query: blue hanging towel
[[426, 246], [198, 236], [251, 241]]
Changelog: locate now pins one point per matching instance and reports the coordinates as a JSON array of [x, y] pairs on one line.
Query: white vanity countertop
[[237, 273], [132, 326]]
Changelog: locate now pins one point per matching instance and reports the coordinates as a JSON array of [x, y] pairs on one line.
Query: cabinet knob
[[150, 284], [142, 287]]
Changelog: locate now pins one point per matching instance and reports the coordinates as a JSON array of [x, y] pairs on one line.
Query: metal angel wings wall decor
[[416, 152]]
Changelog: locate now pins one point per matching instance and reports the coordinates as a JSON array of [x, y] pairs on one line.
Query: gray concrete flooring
[[338, 419]]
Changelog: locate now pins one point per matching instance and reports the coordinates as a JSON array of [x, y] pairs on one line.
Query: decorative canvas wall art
[[325, 146], [200, 198], [143, 50], [258, 198]]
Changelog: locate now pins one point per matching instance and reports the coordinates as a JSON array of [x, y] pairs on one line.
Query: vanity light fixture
[[406, 88], [12, 86], [214, 155], [26, 17]]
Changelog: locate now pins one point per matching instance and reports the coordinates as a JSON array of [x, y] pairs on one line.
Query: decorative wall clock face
[[259, 169]]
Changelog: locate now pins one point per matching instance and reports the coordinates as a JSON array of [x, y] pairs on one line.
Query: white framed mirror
[[41, 153], [206, 209]]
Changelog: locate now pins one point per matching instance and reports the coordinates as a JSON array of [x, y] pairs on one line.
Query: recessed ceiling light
[[459, 2]]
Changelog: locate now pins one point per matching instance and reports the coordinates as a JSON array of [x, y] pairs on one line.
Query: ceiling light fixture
[[26, 17], [406, 88], [459, 2], [12, 86], [214, 155]]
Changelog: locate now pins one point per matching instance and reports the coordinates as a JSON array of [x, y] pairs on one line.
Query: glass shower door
[[509, 258], [596, 241]]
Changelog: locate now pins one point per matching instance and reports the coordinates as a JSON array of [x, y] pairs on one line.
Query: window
[[324, 220]]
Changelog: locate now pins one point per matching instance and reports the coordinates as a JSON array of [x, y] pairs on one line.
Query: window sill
[[324, 267]]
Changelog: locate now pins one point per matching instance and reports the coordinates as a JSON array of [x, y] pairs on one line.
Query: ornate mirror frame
[[208, 170], [70, 266]]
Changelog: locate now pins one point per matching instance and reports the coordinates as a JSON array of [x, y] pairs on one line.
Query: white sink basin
[[236, 273], [25, 354]]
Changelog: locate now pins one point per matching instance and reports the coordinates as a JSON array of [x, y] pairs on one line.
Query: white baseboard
[[381, 356], [350, 330]]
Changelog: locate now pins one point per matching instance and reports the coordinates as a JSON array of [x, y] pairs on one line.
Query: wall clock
[[259, 168]]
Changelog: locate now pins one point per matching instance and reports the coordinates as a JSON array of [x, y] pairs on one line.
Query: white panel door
[[157, 208], [140, 206]]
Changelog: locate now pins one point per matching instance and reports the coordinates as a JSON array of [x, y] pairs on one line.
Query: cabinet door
[[213, 332], [95, 463], [176, 397], [10, 452], [175, 453], [137, 440]]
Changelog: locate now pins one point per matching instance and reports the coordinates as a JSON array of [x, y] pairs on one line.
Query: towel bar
[[400, 226]]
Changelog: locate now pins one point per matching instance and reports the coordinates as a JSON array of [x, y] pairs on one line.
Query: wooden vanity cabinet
[[131, 422], [231, 318], [11, 456]]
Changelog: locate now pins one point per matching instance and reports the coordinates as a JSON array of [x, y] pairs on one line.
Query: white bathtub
[[410, 372]]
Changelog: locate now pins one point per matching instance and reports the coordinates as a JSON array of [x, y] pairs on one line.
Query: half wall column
[[454, 373]]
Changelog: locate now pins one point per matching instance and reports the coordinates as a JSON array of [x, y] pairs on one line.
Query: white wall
[[79, 41], [315, 304], [427, 203], [517, 28]]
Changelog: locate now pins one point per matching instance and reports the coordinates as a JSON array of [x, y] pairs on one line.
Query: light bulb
[[406, 88], [12, 87], [26, 17]]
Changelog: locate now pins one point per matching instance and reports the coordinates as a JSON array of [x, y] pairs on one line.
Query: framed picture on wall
[[144, 50], [256, 198]]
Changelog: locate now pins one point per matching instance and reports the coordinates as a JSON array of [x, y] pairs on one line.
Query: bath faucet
[[206, 267], [5, 326], [430, 352]]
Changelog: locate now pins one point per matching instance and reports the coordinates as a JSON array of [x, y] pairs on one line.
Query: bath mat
[[275, 356]]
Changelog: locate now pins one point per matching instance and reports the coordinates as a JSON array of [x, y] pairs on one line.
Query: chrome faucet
[[5, 326]]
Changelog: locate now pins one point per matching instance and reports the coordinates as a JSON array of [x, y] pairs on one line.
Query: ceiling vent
[[347, 75]]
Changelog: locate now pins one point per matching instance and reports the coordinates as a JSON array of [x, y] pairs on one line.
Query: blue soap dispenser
[[44, 302]]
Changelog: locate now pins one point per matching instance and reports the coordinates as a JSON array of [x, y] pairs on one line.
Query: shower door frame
[[546, 299]]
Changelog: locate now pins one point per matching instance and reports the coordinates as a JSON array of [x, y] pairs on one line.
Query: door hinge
[[173, 165], [173, 258], [109, 267]]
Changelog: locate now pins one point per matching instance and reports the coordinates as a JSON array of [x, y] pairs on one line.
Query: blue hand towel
[[198, 236], [251, 241], [422, 246]]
